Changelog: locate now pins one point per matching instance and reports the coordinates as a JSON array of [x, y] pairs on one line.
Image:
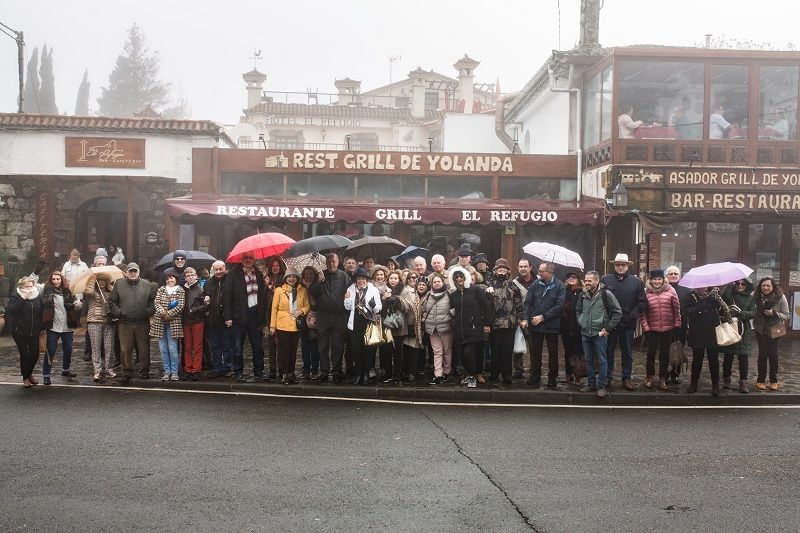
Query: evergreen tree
[[30, 93], [134, 83], [82, 101], [47, 91]]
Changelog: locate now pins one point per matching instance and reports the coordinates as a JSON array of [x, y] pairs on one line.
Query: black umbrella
[[378, 247], [194, 259], [317, 244], [410, 253]]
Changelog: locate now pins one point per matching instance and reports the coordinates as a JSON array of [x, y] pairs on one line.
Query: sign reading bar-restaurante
[[104, 152], [412, 162]]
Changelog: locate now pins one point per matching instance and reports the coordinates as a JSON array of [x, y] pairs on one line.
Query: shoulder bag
[[777, 330], [373, 336], [727, 333]]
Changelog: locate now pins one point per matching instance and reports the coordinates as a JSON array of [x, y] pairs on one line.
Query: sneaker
[[518, 374], [589, 388], [96, 377], [601, 393], [472, 383], [174, 377], [165, 377], [436, 380], [46, 380], [465, 381], [110, 373], [69, 373]]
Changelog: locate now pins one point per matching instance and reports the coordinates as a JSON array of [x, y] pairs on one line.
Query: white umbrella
[[554, 253], [314, 259]]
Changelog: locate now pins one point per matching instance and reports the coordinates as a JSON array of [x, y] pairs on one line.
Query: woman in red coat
[[660, 319]]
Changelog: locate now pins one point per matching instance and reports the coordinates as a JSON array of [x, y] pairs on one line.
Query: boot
[[662, 384], [743, 386], [726, 382], [715, 388], [692, 387], [648, 382]]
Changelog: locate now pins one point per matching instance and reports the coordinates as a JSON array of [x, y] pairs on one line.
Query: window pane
[[777, 118], [321, 185], [261, 184], [722, 242], [666, 100], [391, 186], [764, 251], [605, 101], [460, 187], [730, 93], [679, 245], [537, 189], [591, 114]]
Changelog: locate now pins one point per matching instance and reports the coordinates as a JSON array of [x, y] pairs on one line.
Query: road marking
[[409, 402]]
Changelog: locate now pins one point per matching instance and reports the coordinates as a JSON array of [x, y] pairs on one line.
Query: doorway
[[102, 223]]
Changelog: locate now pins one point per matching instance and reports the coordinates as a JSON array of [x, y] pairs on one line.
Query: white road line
[[411, 402]]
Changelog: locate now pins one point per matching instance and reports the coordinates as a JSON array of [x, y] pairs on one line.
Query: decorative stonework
[[766, 155], [636, 152], [664, 152], [692, 152], [740, 154], [716, 154]]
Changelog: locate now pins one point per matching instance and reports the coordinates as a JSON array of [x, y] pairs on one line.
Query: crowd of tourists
[[369, 323]]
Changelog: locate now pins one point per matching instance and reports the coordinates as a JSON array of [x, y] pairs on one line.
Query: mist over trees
[[82, 100]]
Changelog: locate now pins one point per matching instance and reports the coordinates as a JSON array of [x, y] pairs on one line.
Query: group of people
[[466, 322]]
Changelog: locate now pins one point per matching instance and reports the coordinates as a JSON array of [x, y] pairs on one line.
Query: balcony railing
[[335, 146]]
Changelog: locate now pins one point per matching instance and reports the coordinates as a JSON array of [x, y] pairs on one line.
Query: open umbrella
[[194, 259], [378, 247], [78, 285], [714, 274], [314, 259], [554, 253], [261, 245], [317, 244], [410, 253]]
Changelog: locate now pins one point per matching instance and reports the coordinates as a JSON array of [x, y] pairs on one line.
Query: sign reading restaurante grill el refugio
[[104, 152]]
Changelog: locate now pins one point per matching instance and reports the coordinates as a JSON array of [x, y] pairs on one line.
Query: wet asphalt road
[[77, 459]]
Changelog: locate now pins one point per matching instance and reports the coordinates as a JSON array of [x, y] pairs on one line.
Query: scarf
[[171, 290], [28, 294], [419, 305]]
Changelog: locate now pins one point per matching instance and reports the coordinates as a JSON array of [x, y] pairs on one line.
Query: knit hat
[[178, 253], [465, 250], [361, 272], [291, 272], [501, 263], [101, 251], [481, 258], [657, 273]]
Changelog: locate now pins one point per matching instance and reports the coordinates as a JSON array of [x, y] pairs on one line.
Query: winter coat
[[472, 313], [598, 311], [329, 295], [175, 271], [546, 300], [281, 314], [161, 305], [372, 303], [683, 294], [414, 320], [436, 312], [48, 307], [397, 304], [747, 311], [569, 316], [95, 313], [235, 306], [777, 302], [215, 290], [194, 312], [663, 312], [25, 315], [132, 303], [629, 293], [705, 312], [506, 304]]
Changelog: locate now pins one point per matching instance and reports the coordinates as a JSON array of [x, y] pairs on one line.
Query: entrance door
[[103, 222]]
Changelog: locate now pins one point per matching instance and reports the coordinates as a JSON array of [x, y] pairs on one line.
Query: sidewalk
[[517, 393]]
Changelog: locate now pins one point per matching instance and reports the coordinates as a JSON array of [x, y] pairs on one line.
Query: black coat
[[472, 314], [569, 317], [194, 310], [215, 290], [48, 308], [547, 302], [629, 292], [25, 315], [329, 295], [234, 305], [705, 314]]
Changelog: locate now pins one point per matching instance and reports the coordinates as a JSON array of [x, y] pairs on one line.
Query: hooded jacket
[[471, 314], [747, 311], [663, 312]]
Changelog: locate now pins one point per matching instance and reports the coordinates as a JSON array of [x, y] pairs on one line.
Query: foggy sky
[[205, 46]]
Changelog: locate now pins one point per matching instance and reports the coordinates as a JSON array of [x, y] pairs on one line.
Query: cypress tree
[[82, 101], [47, 91], [30, 93]]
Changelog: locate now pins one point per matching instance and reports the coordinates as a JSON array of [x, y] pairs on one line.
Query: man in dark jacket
[[331, 318], [673, 277], [541, 315], [523, 281], [131, 301], [219, 333], [245, 310], [629, 292]]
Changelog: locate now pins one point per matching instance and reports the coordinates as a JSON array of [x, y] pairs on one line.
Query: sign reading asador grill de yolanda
[[104, 152]]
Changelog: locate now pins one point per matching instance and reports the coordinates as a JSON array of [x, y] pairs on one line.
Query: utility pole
[[17, 36]]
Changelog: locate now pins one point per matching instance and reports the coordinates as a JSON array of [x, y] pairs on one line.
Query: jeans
[[625, 340], [222, 342], [66, 348], [310, 353], [170, 355], [596, 346]]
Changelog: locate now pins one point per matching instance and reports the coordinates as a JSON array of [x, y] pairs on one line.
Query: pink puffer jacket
[[663, 311]]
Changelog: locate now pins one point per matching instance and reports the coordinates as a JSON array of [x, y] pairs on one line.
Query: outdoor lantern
[[430, 144], [619, 196], [347, 140]]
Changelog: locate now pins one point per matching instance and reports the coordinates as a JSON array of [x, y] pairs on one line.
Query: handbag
[[311, 320], [395, 321], [388, 338], [519, 341], [727, 334], [373, 336], [777, 330], [677, 355]]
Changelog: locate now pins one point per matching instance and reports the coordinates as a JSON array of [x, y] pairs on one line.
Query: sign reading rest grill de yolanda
[[411, 162], [104, 152]]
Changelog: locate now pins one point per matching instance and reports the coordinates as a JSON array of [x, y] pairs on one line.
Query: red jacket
[[663, 311]]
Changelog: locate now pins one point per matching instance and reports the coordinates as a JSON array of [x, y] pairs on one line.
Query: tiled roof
[[343, 111], [33, 121]]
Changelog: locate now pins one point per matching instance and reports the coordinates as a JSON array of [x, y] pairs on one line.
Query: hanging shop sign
[[104, 152], [44, 227]]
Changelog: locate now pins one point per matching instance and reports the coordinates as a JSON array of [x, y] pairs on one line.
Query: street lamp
[[619, 196], [347, 140], [261, 138], [430, 144], [322, 134], [17, 36]]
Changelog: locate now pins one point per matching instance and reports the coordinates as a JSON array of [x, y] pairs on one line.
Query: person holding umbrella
[[705, 309], [363, 301], [544, 304], [99, 324], [289, 304], [772, 311], [661, 318], [739, 297], [178, 267]]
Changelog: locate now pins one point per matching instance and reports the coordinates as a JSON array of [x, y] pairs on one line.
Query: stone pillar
[[466, 81], [254, 81]]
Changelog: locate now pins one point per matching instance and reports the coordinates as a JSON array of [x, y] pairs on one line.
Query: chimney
[[466, 81], [417, 92], [348, 91], [590, 24], [254, 80]]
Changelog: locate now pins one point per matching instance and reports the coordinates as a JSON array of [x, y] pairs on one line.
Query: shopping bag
[[373, 336], [519, 341], [727, 334]]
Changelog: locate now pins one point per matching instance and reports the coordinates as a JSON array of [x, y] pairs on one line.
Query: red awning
[[591, 211]]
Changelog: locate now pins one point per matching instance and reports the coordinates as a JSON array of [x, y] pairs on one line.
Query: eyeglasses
[[180, 259], [740, 283]]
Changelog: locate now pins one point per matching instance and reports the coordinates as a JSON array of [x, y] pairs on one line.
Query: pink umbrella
[[261, 245], [715, 274]]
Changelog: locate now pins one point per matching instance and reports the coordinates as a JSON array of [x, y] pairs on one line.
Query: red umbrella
[[261, 245]]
